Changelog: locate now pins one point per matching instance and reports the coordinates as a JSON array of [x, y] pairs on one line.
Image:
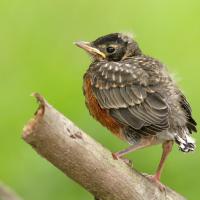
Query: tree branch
[[86, 161], [7, 194]]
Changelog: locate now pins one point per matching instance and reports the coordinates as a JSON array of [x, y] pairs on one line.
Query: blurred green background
[[37, 54]]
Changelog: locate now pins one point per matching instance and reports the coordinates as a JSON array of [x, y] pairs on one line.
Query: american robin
[[134, 96]]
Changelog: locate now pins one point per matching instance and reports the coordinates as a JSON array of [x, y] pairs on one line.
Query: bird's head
[[112, 47]]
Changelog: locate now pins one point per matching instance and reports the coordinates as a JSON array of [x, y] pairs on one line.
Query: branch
[[7, 194], [86, 161]]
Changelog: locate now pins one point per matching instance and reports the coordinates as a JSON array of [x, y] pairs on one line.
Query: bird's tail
[[186, 144]]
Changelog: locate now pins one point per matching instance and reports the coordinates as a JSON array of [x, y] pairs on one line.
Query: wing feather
[[130, 101], [191, 123]]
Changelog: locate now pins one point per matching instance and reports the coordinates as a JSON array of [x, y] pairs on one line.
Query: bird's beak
[[88, 48]]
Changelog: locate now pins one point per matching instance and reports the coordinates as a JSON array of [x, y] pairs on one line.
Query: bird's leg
[[167, 147], [139, 145]]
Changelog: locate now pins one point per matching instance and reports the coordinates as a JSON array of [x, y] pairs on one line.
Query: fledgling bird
[[134, 96]]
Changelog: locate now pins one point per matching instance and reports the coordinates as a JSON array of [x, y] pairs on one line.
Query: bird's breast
[[97, 112]]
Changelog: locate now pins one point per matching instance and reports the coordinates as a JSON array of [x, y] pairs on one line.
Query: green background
[[37, 54]]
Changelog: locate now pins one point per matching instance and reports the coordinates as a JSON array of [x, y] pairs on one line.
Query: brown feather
[[98, 113]]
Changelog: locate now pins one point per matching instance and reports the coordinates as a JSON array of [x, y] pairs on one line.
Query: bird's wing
[[126, 91], [191, 124]]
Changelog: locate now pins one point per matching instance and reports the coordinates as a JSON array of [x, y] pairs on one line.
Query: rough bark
[[86, 161]]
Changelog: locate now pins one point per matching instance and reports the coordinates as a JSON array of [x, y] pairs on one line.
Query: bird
[[135, 97]]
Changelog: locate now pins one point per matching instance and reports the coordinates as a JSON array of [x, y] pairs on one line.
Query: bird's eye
[[110, 49]]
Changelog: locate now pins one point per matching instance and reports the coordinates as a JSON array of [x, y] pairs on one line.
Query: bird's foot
[[126, 160], [154, 179]]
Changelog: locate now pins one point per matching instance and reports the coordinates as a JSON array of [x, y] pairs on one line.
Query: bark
[[85, 160]]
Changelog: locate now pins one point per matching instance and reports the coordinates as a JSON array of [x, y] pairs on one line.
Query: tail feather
[[186, 144]]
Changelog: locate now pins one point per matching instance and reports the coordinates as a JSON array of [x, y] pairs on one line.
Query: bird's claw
[[126, 160], [115, 156], [155, 180]]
